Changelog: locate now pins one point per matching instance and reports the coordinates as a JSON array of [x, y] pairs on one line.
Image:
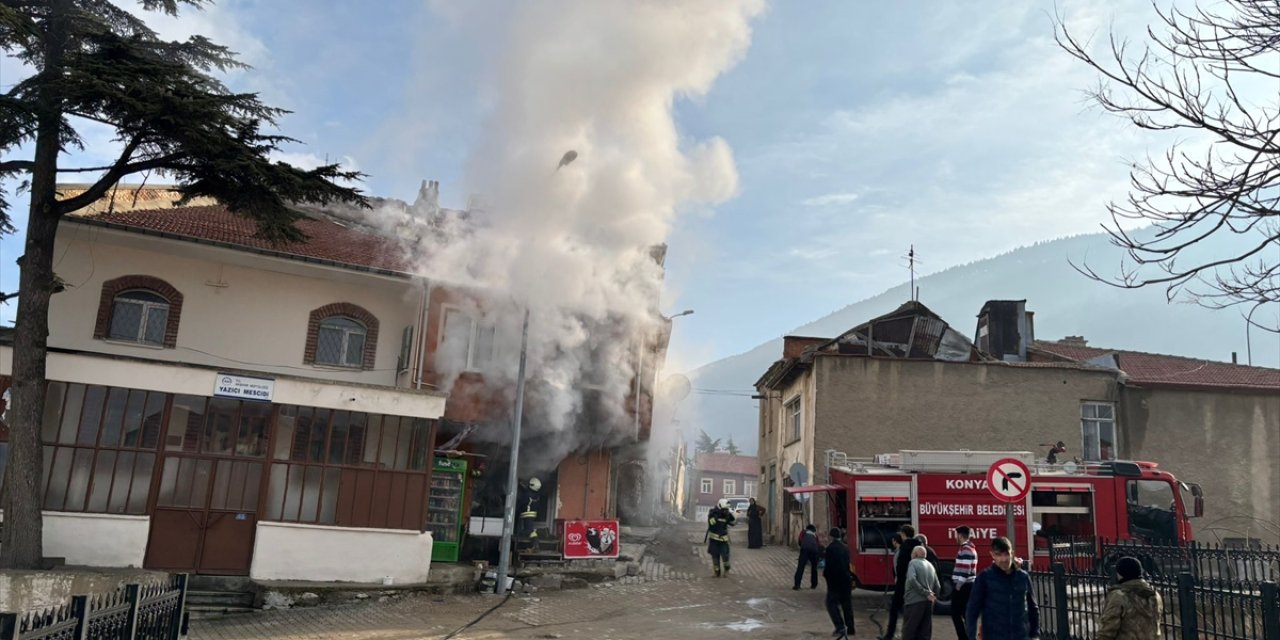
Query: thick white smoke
[[572, 241]]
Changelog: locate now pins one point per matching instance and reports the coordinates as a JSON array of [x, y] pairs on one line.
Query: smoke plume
[[582, 170]]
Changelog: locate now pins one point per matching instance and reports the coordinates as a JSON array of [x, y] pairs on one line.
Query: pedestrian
[[755, 525], [719, 520], [839, 585], [963, 575], [1002, 598], [930, 554], [1133, 608], [921, 592], [900, 562], [809, 555]]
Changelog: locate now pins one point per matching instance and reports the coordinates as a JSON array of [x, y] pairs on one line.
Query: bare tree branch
[[1200, 71]]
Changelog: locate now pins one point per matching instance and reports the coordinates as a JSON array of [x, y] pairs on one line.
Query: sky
[[857, 130]]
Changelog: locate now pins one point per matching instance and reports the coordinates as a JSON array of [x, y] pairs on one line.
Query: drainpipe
[[422, 332], [639, 372]]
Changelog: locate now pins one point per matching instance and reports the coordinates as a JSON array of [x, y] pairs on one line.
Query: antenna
[[912, 262]]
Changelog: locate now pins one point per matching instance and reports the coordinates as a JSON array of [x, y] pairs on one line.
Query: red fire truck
[[936, 491]]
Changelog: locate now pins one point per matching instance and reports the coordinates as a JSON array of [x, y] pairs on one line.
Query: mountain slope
[[1064, 302]]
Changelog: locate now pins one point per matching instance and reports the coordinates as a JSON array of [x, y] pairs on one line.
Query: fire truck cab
[[936, 491]]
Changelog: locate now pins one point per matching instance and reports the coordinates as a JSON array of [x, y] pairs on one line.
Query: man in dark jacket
[[809, 555], [909, 543], [839, 585], [1002, 599]]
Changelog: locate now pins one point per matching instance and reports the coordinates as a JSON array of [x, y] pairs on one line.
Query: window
[[464, 342], [342, 335], [792, 415], [139, 316], [749, 487], [140, 310], [235, 431], [729, 486], [1098, 430], [348, 468], [706, 485], [340, 342], [1150, 506], [99, 447]]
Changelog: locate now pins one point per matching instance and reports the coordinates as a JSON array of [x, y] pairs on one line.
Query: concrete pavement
[[673, 597]]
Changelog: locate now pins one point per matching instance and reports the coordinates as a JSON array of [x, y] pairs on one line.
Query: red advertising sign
[[590, 539]]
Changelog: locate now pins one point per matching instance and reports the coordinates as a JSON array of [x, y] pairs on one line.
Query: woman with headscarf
[[755, 525]]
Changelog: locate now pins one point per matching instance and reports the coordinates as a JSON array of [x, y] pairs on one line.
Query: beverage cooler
[[445, 508]]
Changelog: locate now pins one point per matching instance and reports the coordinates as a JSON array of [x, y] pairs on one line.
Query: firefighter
[[718, 522], [529, 507]]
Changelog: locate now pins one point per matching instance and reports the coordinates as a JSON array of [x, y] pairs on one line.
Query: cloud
[[830, 199]]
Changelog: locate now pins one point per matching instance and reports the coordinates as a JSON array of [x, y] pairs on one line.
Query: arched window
[[342, 335], [141, 309], [140, 316], [341, 342]]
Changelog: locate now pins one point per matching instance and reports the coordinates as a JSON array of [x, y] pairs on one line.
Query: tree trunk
[[21, 546]]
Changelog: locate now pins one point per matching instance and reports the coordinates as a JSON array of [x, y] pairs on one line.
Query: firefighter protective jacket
[[718, 521]]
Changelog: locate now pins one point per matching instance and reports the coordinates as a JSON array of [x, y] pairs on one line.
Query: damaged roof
[[1159, 370], [912, 331]]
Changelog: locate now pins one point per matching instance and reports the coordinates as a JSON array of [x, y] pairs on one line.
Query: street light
[[686, 312], [1248, 343]]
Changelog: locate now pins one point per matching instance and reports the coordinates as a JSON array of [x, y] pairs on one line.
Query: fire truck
[[936, 491]]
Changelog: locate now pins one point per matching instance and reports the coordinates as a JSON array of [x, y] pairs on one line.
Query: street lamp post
[[513, 478], [1248, 342]]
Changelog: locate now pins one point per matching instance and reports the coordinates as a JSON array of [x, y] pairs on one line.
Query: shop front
[[158, 469]]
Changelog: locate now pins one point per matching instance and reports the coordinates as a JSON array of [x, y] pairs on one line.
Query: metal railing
[[1208, 591], [133, 612]]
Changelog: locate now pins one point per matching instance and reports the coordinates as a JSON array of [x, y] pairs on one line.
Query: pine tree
[[705, 444], [732, 448], [95, 62]]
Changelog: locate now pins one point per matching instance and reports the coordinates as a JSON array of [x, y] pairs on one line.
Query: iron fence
[[133, 612], [1209, 591]]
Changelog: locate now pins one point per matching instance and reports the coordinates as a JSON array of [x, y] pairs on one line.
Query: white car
[[738, 506]]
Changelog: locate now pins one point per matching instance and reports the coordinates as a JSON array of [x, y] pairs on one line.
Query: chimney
[[1005, 330], [795, 346], [428, 201], [1234, 358], [1074, 341]]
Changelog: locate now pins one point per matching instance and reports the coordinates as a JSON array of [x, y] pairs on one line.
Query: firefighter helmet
[[723, 504], [535, 484]]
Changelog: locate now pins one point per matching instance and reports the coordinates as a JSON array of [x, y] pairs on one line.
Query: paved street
[[675, 597]]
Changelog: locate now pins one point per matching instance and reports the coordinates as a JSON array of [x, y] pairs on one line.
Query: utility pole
[[513, 477]]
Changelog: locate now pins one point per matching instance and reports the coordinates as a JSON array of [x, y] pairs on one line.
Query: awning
[[813, 488]]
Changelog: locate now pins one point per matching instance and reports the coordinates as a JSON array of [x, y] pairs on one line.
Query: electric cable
[[468, 625]]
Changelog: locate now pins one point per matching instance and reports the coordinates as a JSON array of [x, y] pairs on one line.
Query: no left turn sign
[[1009, 480]]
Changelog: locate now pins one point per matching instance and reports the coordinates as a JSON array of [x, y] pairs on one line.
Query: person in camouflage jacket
[[1133, 608]]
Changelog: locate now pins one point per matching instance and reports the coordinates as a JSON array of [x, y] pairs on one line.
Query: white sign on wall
[[243, 387]]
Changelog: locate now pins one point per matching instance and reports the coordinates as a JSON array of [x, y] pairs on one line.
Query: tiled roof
[[327, 240], [1153, 369], [726, 463]]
